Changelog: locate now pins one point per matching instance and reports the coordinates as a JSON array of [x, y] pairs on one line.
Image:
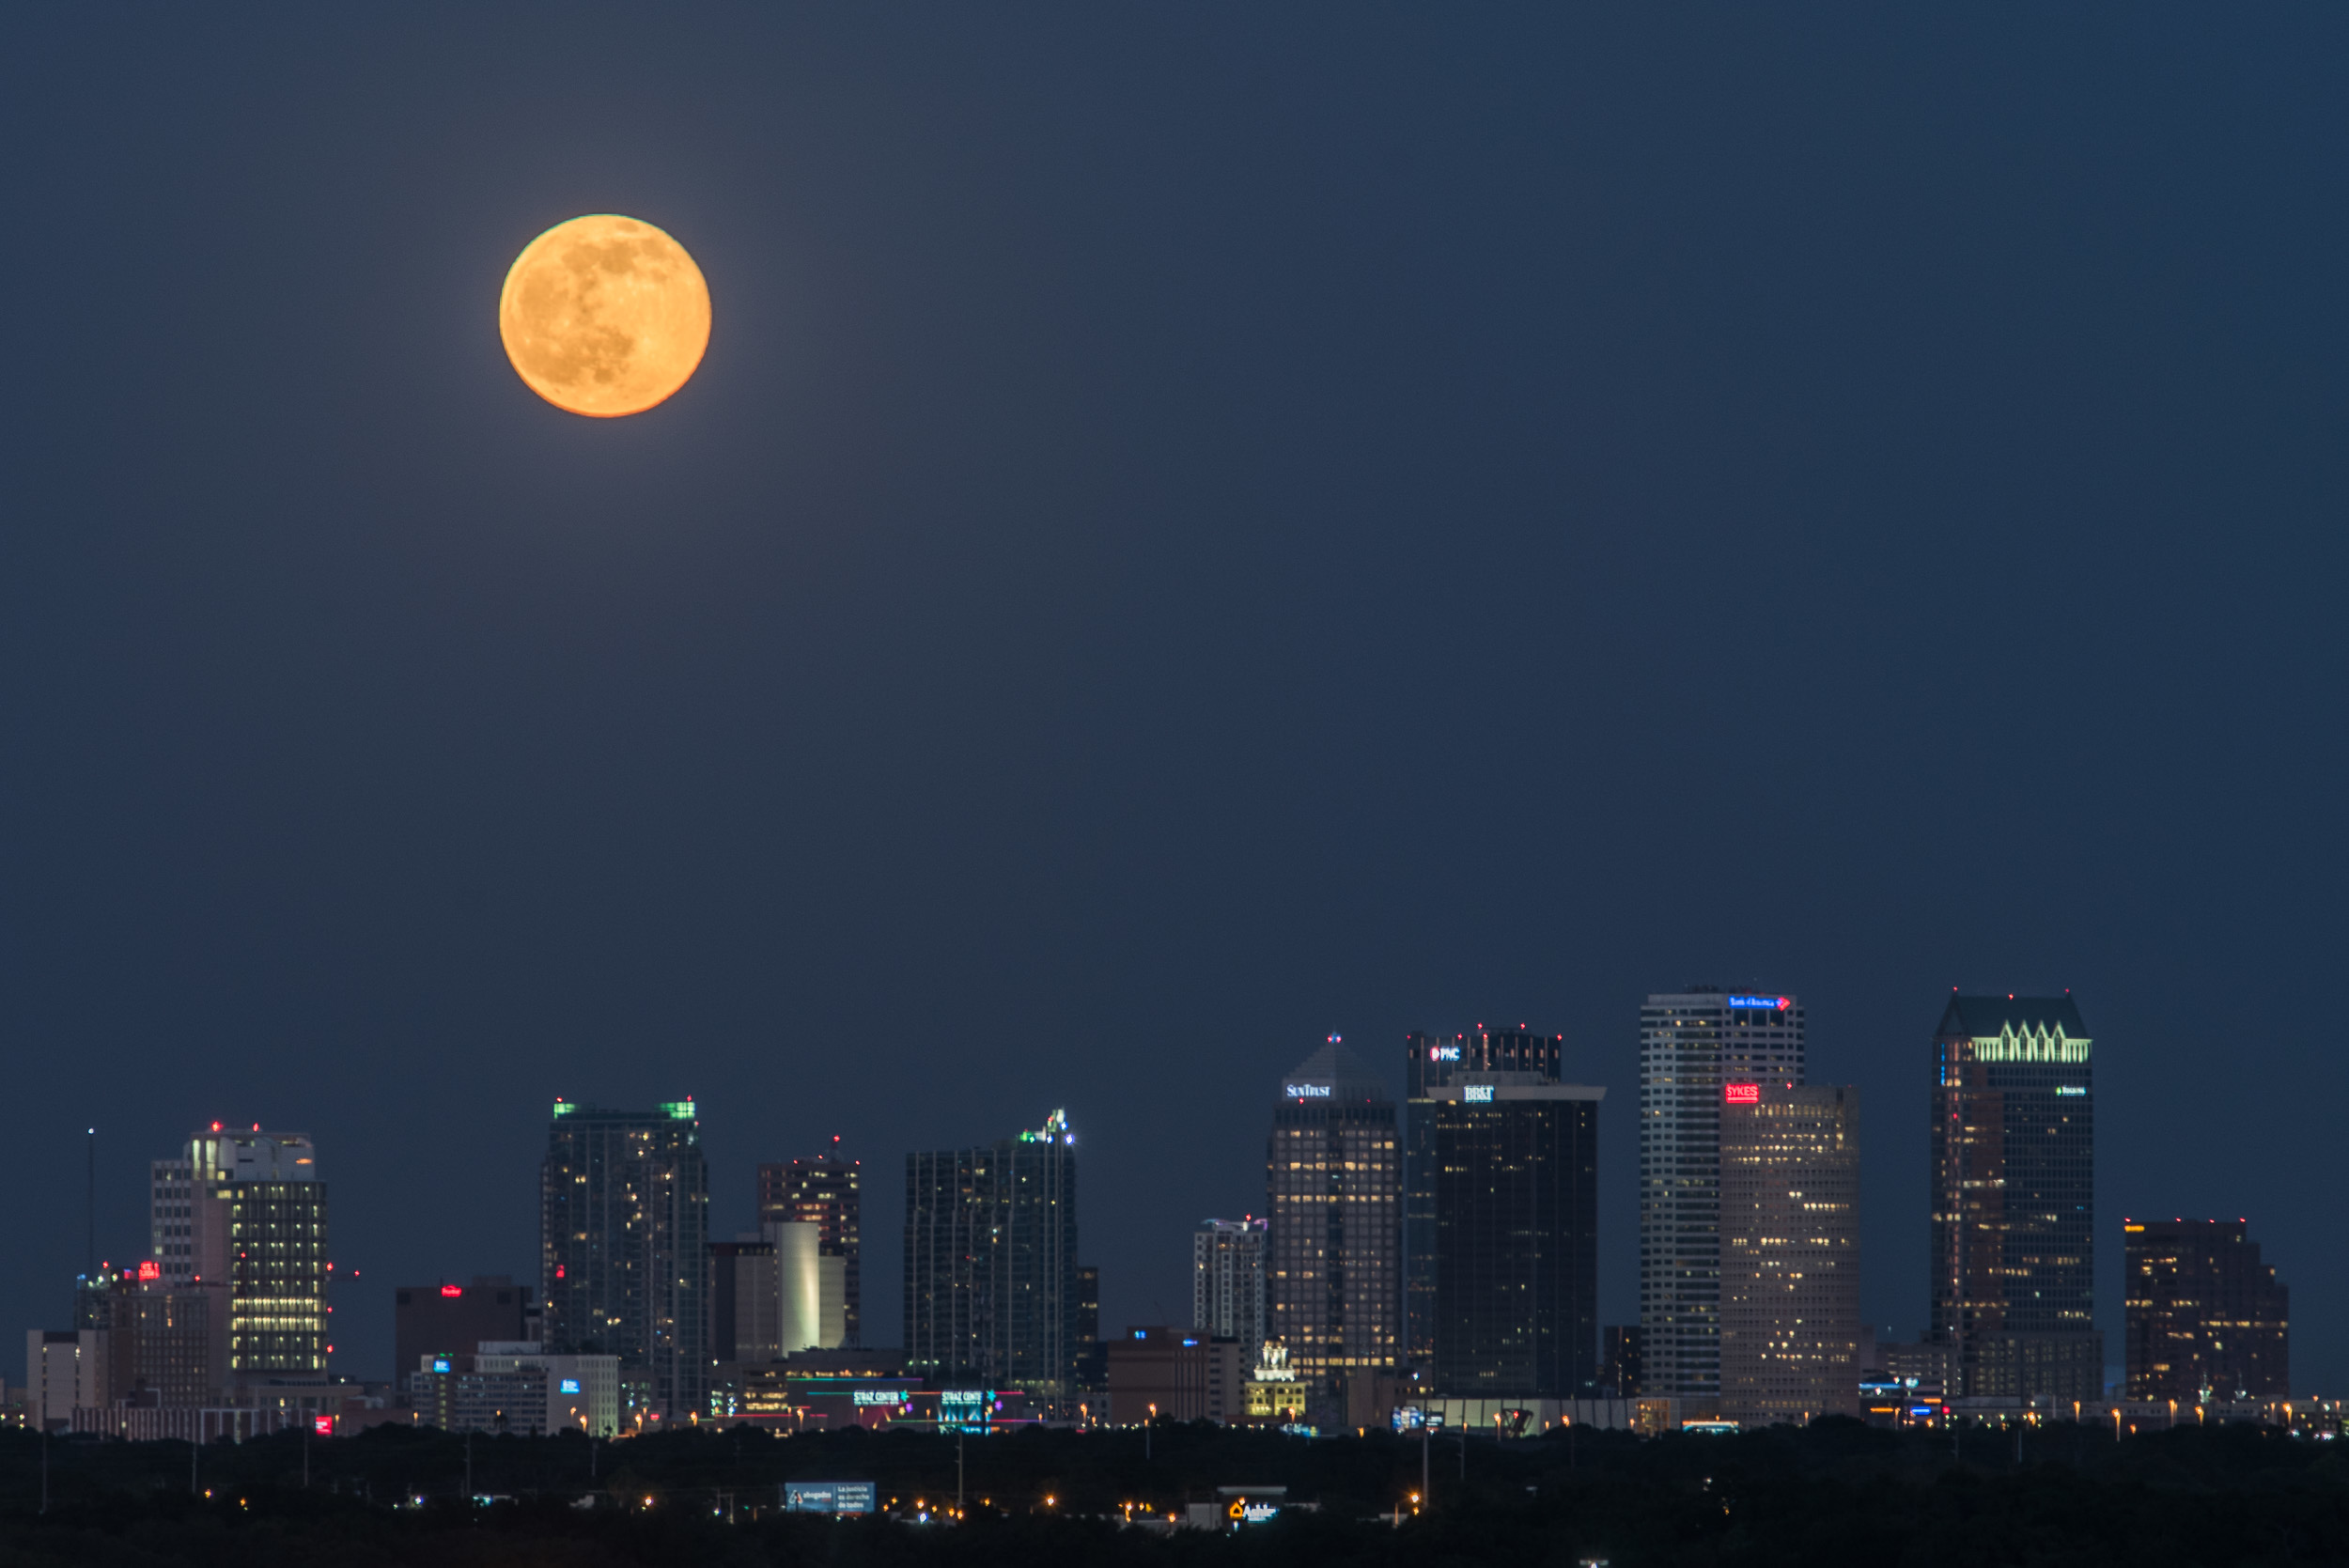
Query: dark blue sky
[[1198, 527]]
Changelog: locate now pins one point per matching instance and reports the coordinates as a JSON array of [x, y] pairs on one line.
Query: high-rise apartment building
[[624, 1250], [2013, 1145], [1227, 1296], [1516, 1159], [257, 1239], [2207, 1321], [990, 1265], [1691, 1043], [821, 1191], [1790, 1253], [171, 1220], [1333, 1197], [1429, 1063]]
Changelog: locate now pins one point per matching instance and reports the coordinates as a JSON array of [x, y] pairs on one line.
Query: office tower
[[1429, 1063], [624, 1248], [743, 1301], [1790, 1253], [1623, 1361], [2013, 1190], [990, 1265], [259, 1237], [1092, 1355], [1227, 1266], [2207, 1321], [821, 1191], [160, 1345], [1515, 1158], [1692, 1043], [171, 1220], [1334, 1195], [447, 1319]]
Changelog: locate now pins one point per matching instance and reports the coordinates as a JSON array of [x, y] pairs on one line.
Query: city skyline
[[1193, 531], [1336, 1067]]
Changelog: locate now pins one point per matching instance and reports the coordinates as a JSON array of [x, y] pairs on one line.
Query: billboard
[[828, 1497]]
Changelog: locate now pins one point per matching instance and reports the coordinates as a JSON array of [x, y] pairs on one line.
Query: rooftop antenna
[[90, 1211]]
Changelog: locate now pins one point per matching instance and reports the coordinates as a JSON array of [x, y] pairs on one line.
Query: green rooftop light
[[681, 1111], [564, 1108]]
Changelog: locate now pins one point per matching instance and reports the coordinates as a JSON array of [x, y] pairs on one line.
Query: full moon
[[605, 315]]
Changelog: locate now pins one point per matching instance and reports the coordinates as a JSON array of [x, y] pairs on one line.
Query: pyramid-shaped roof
[[1338, 1070]]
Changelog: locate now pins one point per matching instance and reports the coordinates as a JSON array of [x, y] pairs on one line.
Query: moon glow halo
[[605, 315]]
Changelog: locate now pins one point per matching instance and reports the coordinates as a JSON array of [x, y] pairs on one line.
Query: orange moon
[[605, 315]]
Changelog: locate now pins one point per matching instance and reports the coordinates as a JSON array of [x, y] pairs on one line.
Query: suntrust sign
[[1308, 1091]]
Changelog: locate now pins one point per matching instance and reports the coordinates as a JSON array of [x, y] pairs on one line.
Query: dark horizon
[[1196, 530]]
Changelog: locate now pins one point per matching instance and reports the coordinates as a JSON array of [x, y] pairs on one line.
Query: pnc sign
[[1773, 1004]]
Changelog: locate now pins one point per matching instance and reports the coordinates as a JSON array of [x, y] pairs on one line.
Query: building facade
[[624, 1250], [258, 1236], [1515, 1158], [1227, 1267], [171, 1220], [2012, 1188], [1093, 1366], [990, 1265], [1162, 1374], [1430, 1062], [1790, 1253], [2207, 1321], [449, 1319], [822, 1191], [1333, 1197], [1692, 1043]]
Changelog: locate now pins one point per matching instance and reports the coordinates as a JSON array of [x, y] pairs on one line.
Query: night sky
[[1200, 526]]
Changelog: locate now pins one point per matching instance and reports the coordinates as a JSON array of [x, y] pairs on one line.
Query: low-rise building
[[1175, 1373]]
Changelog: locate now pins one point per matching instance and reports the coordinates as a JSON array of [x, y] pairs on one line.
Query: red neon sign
[[322, 1425], [151, 1269], [452, 1290], [1742, 1093]]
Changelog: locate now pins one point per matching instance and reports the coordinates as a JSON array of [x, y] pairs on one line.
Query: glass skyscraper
[[1692, 1043], [1430, 1062], [1516, 1302], [991, 1293], [624, 1248], [2013, 1147]]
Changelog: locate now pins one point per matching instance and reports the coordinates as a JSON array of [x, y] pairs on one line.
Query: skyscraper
[[2012, 1188], [1227, 1298], [2206, 1319], [624, 1235], [171, 1220], [257, 1235], [1516, 1157], [821, 1190], [1429, 1063], [1692, 1043], [1334, 1189], [1790, 1253], [990, 1263]]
